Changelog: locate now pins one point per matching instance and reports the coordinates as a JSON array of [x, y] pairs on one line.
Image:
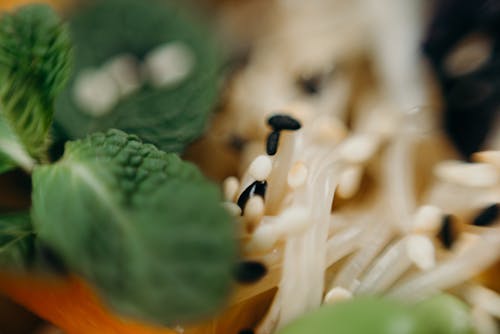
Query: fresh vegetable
[[440, 315], [70, 304], [443, 314], [145, 230], [12, 152], [169, 116], [16, 241], [35, 56], [143, 226], [73, 306], [361, 315]]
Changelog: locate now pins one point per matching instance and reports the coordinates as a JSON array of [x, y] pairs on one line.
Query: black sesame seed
[[257, 188], [260, 188], [283, 122], [249, 272], [488, 216], [272, 142], [246, 331], [446, 234]]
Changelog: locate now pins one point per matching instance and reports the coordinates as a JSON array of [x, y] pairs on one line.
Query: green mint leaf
[[170, 116], [12, 151], [16, 241], [443, 314], [34, 66], [356, 316], [144, 227], [5, 164]]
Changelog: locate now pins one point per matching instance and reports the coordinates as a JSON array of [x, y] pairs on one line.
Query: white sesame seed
[[359, 148], [261, 167], [230, 187], [427, 220], [420, 250], [467, 174], [337, 294], [350, 181], [254, 208], [297, 175]]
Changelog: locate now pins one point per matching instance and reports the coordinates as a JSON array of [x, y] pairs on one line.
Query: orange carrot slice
[[73, 306]]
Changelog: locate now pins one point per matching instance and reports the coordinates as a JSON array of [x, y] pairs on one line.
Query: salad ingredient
[[16, 240], [70, 304], [441, 314], [178, 65], [73, 306], [141, 225], [12, 152], [115, 211], [360, 315], [35, 56]]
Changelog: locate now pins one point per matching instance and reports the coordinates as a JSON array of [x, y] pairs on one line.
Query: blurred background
[[442, 54]]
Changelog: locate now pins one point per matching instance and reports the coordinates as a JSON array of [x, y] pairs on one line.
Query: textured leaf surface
[[141, 225], [12, 152], [169, 117], [16, 241], [34, 66]]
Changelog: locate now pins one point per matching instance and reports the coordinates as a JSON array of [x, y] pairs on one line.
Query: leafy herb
[[16, 241], [12, 152], [360, 315], [170, 117], [34, 66], [141, 225], [441, 314], [144, 227], [5, 164], [444, 314]]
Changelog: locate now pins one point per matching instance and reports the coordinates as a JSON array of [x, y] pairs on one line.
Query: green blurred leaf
[[5, 164], [16, 241], [170, 117], [12, 152], [357, 316], [443, 314], [141, 225], [34, 66]]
